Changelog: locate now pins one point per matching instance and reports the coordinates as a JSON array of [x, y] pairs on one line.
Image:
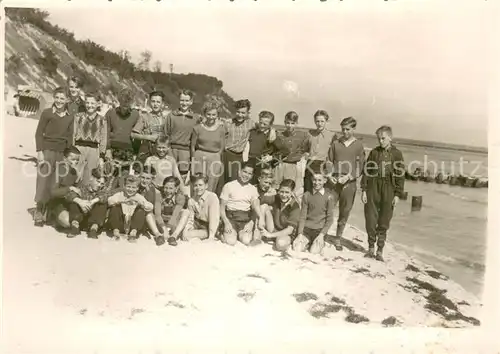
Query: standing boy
[[292, 146], [76, 104], [347, 156], [151, 126], [316, 217], [320, 140], [178, 127], [89, 136], [382, 185], [120, 123], [261, 144], [237, 200], [237, 134], [54, 133]]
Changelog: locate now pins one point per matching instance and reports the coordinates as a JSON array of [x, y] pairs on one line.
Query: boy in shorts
[[316, 216], [238, 199]]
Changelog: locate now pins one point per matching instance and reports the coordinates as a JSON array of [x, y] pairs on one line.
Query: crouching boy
[[88, 206], [316, 217], [238, 199], [128, 210], [382, 184], [283, 216], [171, 211]]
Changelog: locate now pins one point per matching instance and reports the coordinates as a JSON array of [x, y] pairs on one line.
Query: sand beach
[[78, 295]]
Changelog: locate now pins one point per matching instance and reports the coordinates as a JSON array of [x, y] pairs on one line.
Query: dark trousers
[[97, 215], [378, 210], [116, 219], [345, 194], [312, 167], [232, 164]]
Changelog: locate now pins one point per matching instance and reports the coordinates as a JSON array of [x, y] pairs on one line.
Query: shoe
[[379, 257], [370, 253], [92, 234], [38, 218], [255, 242], [73, 232], [337, 244], [171, 241], [132, 239], [160, 240]]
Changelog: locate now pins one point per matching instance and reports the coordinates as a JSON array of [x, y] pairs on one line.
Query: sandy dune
[[81, 294]]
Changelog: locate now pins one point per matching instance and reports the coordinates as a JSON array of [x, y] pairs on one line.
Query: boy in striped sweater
[[89, 136]]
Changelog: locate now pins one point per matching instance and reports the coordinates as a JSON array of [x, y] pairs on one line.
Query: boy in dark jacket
[[382, 184]]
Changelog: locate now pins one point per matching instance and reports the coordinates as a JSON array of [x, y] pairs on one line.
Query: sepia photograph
[[178, 174]]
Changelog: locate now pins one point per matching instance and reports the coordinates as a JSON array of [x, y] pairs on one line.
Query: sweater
[[347, 159], [179, 127], [90, 130], [292, 146], [65, 177], [260, 144], [317, 211], [207, 140], [54, 132], [119, 128]]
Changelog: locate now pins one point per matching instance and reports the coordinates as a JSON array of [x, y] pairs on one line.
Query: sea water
[[450, 231]]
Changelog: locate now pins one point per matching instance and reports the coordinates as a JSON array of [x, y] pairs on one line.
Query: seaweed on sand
[[390, 321], [175, 304], [356, 318], [361, 270], [135, 311], [337, 300], [303, 297], [436, 274], [321, 310], [246, 296], [412, 268], [257, 276], [438, 303], [308, 260]]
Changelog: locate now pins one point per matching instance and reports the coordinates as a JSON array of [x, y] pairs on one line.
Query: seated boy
[[88, 207], [284, 216], [66, 177], [171, 210], [238, 199], [316, 216], [128, 210], [164, 164], [146, 188], [266, 198], [204, 211]]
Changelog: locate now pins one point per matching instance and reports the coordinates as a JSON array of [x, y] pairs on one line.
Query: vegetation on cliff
[[32, 41]]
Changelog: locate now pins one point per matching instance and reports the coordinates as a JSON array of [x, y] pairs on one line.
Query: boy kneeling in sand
[[204, 211], [128, 210], [283, 217], [238, 199], [316, 216]]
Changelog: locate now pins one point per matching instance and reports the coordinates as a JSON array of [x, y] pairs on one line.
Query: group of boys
[[88, 176]]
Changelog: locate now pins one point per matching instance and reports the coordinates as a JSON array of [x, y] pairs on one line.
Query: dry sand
[[74, 295]]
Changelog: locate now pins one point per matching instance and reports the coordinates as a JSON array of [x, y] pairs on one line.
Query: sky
[[423, 69]]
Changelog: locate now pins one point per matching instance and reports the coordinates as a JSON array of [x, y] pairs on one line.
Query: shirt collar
[[188, 114], [237, 122], [321, 191], [62, 114], [203, 197], [347, 142]]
